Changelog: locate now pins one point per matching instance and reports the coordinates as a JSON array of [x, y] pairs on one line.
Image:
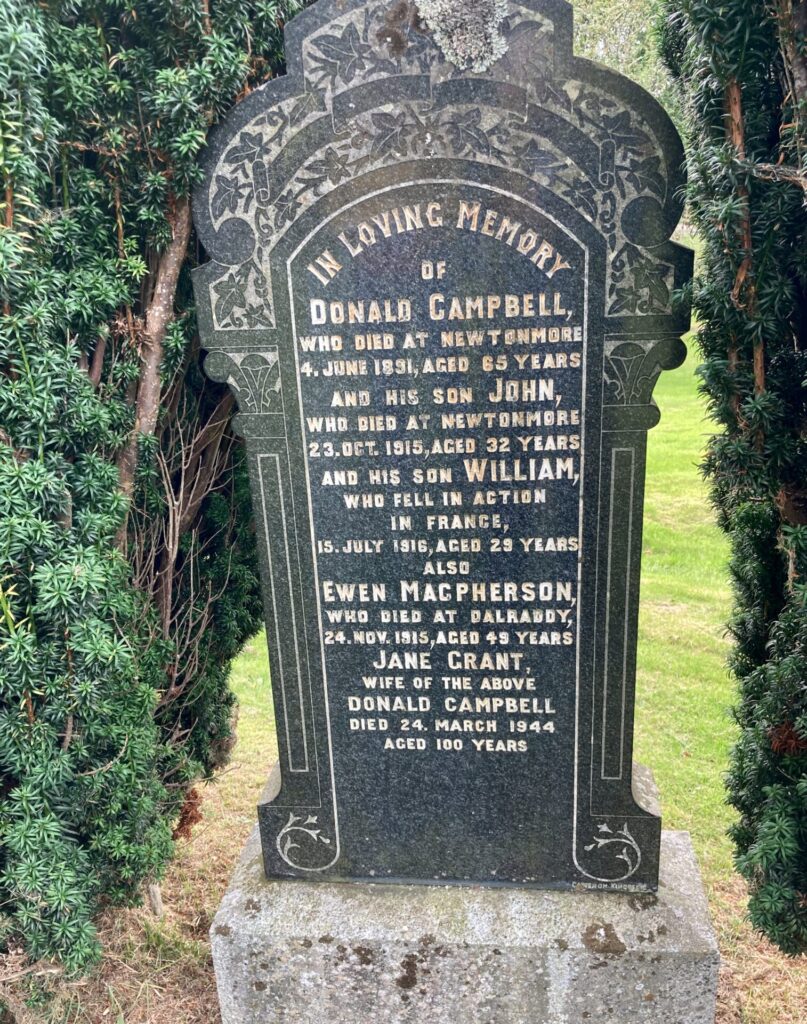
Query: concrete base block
[[289, 952]]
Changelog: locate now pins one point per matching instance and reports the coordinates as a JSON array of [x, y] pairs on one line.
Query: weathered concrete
[[321, 953]]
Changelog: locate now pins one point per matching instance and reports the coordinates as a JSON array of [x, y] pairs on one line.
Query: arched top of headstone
[[368, 88]]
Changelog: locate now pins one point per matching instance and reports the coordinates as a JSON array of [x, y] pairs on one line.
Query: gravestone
[[443, 297]]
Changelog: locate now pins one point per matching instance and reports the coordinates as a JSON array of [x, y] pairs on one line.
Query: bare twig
[[34, 971], [781, 172], [108, 765]]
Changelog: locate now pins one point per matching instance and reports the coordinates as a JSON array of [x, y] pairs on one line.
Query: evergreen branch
[[751, 296], [105, 767], [103, 120]]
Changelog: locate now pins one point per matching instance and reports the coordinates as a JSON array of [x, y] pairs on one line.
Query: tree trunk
[[795, 47], [159, 314], [744, 293]]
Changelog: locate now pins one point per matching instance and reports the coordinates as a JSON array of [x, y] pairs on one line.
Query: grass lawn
[[159, 972]]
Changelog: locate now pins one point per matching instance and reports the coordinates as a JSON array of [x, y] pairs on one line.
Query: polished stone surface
[[443, 300], [292, 952]]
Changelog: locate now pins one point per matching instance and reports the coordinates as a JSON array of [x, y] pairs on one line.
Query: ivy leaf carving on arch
[[231, 195], [242, 298], [645, 176], [339, 56], [248, 148], [639, 284], [537, 160], [342, 54]]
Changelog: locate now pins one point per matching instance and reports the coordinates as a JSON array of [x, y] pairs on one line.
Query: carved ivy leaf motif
[[391, 134], [333, 167], [257, 315], [226, 198], [286, 208], [231, 293], [360, 139], [583, 195], [591, 107], [649, 292], [467, 133], [645, 175], [421, 50], [623, 133], [625, 301], [536, 160], [311, 101], [545, 92], [651, 277], [342, 55], [248, 149]]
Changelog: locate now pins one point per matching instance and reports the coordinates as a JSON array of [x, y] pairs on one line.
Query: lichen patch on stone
[[401, 18], [409, 972], [469, 34], [603, 939]]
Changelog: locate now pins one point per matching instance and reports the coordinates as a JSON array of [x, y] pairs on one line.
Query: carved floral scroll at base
[[626, 853], [300, 834]]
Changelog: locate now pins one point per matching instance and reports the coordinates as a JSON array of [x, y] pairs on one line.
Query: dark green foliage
[[121, 604], [83, 811], [742, 70]]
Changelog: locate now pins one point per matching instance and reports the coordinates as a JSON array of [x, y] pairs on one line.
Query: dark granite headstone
[[443, 299]]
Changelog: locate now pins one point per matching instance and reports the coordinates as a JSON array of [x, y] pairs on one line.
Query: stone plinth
[[292, 952]]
